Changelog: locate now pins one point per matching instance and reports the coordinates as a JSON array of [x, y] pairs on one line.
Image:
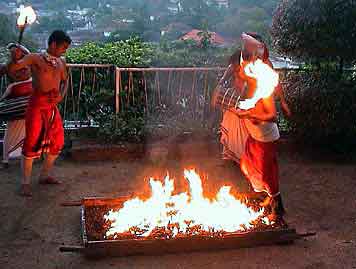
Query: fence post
[[117, 89]]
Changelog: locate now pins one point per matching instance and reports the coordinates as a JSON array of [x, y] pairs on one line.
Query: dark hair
[[235, 58], [265, 54], [259, 38], [11, 45], [247, 55], [255, 36], [59, 37]]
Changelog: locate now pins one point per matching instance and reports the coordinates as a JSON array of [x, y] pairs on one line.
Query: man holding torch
[[44, 129], [19, 88], [259, 160]]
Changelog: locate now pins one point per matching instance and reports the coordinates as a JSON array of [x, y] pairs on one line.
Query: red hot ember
[[183, 214]]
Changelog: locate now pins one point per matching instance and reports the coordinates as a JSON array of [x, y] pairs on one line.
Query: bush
[[323, 106], [128, 53], [99, 106], [316, 30], [189, 53], [127, 126]]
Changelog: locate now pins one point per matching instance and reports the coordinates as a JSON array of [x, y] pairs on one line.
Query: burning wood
[[165, 215], [155, 230]]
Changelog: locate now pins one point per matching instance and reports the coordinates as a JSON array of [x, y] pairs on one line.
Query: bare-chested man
[[44, 129], [259, 160]]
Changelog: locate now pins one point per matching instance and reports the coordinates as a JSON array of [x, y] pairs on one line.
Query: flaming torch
[[27, 16], [266, 78], [266, 81]]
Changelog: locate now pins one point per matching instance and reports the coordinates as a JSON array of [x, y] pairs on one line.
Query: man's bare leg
[[47, 166], [26, 177], [5, 150]]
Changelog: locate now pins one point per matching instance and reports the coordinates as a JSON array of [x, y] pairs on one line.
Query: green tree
[[318, 30], [322, 33], [131, 52], [48, 24], [205, 37], [7, 30]]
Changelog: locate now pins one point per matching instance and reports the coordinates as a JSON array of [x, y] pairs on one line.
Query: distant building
[[78, 13], [175, 30], [220, 3], [6, 9], [283, 62], [215, 39], [82, 36], [40, 39], [174, 6]]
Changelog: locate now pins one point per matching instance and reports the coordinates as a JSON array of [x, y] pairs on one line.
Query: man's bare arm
[[64, 80], [285, 108], [3, 70], [280, 94], [7, 92], [267, 113], [26, 61], [63, 88]]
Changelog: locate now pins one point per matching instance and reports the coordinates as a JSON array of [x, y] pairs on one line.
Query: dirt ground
[[319, 195]]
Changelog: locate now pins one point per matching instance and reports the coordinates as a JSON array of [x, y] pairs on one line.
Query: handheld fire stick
[[27, 16], [22, 29]]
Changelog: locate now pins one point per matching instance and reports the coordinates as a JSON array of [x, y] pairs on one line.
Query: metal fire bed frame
[[128, 247]]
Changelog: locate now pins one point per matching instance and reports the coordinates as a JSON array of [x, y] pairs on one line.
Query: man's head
[[255, 36], [249, 47], [262, 51], [17, 51], [58, 43]]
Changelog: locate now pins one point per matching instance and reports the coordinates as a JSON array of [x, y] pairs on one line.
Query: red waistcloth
[[21, 89], [44, 128], [259, 165]]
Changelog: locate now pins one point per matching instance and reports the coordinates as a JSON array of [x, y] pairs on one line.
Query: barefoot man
[[20, 86], [44, 130], [259, 161]]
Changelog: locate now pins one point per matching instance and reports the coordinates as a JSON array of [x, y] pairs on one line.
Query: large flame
[[266, 81], [27, 16], [224, 213]]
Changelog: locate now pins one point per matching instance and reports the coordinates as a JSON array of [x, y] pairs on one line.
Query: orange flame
[[27, 16], [266, 81], [163, 209]]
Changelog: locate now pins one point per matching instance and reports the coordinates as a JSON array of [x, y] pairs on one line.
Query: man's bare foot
[[273, 217], [26, 190], [49, 180], [256, 195]]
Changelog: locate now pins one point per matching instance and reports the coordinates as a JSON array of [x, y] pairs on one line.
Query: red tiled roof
[[194, 34]]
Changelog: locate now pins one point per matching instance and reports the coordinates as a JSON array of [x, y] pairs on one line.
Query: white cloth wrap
[[263, 131]]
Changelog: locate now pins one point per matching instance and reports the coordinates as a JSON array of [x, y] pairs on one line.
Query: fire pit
[[171, 223]]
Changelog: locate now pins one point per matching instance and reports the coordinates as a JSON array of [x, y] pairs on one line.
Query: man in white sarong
[[234, 133], [233, 130], [259, 162], [20, 86]]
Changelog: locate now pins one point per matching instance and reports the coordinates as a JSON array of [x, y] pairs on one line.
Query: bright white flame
[[266, 81], [26, 12], [162, 209]]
